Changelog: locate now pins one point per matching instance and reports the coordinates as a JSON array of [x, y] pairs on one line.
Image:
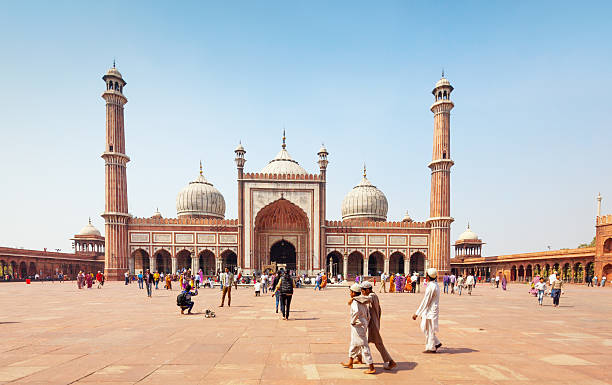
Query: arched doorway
[[417, 263], [556, 270], [281, 235], [396, 263], [521, 273], [355, 265], [163, 261], [183, 260], [32, 269], [333, 263], [590, 269], [528, 273], [607, 272], [607, 246], [376, 264], [537, 270], [284, 255], [567, 272], [229, 259], [206, 262], [23, 270], [513, 273], [140, 261], [578, 273]]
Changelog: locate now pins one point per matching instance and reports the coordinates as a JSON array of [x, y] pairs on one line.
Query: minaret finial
[[442, 72], [201, 168], [113, 62], [468, 225], [90, 220], [284, 145], [364, 170]]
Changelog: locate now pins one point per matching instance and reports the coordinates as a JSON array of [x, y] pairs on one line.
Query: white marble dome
[[365, 201], [468, 235], [114, 72], [200, 199], [283, 164], [443, 82], [89, 230]]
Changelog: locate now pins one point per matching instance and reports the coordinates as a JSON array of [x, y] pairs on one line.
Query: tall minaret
[[240, 161], [439, 212], [116, 205], [599, 204]]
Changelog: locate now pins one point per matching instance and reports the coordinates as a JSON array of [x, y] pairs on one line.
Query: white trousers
[[359, 344], [430, 335]]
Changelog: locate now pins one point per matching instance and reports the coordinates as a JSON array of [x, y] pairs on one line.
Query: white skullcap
[[433, 273], [356, 288], [366, 285]]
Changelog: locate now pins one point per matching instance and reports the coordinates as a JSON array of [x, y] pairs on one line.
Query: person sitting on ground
[[184, 299]]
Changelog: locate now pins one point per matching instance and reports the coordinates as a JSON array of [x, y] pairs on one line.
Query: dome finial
[[364, 170], [284, 145], [90, 220], [201, 168], [442, 72]]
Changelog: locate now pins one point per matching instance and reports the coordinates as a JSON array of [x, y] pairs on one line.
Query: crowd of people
[[84, 280]]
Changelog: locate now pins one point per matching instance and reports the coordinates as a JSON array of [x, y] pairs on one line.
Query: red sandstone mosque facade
[[281, 214]]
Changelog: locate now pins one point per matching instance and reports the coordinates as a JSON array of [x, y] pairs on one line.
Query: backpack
[[286, 285], [181, 299]]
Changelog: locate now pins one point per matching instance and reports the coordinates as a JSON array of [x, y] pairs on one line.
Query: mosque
[[281, 214]]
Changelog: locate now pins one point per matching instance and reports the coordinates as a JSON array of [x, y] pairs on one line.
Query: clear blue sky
[[531, 128]]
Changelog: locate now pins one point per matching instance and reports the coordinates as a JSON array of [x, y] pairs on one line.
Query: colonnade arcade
[[29, 267], [163, 261], [571, 271], [354, 263]]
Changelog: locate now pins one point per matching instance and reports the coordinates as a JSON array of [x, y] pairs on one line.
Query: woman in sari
[[408, 285], [169, 282], [504, 282], [399, 283], [89, 280], [392, 284]]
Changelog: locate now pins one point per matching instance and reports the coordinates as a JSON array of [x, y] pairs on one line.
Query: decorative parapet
[[184, 221], [604, 220], [375, 224], [264, 176]]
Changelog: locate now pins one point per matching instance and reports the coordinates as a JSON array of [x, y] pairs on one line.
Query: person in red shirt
[[100, 279]]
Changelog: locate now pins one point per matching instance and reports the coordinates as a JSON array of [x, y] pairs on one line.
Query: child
[[540, 287], [257, 288], [359, 348]]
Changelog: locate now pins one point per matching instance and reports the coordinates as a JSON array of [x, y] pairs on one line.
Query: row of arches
[[163, 261], [375, 264], [21, 270], [568, 272]]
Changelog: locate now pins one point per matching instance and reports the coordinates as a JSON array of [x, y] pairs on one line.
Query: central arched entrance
[[281, 235], [283, 253]]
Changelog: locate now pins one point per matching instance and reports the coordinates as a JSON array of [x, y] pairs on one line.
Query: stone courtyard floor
[[56, 334]]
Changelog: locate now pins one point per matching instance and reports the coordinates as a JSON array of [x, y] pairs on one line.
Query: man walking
[[459, 283], [594, 283], [318, 282], [383, 280], [497, 281], [469, 282], [429, 311], [227, 279], [359, 350], [140, 277], [148, 280], [369, 298], [451, 281], [127, 277], [445, 282]]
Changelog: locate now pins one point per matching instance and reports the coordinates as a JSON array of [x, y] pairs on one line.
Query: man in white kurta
[[359, 348], [429, 312]]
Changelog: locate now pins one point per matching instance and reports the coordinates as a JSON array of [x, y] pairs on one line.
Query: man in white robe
[[429, 312], [359, 348]]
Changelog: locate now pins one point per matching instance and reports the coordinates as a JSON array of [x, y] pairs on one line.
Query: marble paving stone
[[118, 335]]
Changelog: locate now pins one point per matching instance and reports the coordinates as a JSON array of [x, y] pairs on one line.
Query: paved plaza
[[56, 334]]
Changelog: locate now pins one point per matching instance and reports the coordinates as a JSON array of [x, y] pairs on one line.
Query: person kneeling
[[184, 301], [359, 348]]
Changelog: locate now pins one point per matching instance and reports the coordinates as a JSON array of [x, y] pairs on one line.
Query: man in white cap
[[359, 348], [429, 311], [370, 299]]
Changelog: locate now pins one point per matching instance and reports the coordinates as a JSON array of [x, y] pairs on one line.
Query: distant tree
[[592, 244]]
